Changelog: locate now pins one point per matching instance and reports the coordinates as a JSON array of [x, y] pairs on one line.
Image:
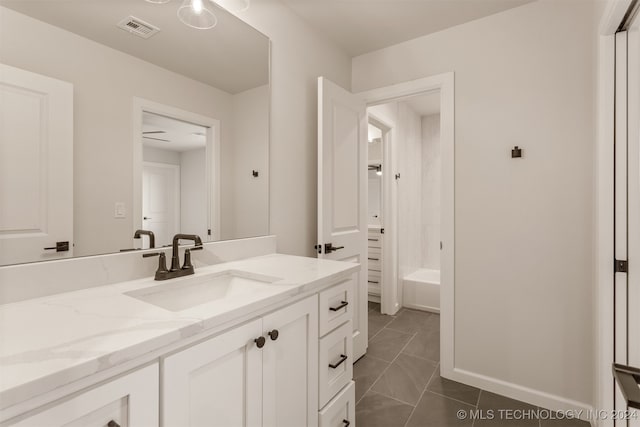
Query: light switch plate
[[120, 210]]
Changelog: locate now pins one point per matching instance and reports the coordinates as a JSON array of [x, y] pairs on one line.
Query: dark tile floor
[[398, 382]]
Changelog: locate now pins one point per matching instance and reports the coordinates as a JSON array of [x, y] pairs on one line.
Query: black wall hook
[[255, 173], [516, 153]]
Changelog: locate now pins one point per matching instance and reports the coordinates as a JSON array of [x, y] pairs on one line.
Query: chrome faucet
[[176, 271], [152, 238]]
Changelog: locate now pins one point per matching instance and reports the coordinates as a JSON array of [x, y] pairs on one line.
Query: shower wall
[[430, 223]]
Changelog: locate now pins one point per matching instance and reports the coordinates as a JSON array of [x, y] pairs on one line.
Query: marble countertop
[[51, 341]]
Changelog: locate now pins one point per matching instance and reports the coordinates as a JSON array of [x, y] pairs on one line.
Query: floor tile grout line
[[449, 398], [385, 370], [422, 394]]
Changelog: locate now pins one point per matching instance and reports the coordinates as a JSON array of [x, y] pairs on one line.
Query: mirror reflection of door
[[174, 178]]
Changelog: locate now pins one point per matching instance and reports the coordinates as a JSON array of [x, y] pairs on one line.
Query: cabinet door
[[290, 366], [215, 383], [131, 400]]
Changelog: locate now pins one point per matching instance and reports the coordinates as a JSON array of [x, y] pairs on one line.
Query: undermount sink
[[184, 293]]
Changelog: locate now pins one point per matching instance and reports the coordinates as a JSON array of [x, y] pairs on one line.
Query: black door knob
[[274, 334], [260, 342]]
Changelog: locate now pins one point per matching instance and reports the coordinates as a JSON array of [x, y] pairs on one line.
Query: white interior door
[[161, 200], [342, 191], [36, 166], [627, 207]]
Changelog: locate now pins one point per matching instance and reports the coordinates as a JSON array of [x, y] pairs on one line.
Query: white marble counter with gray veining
[[48, 342]]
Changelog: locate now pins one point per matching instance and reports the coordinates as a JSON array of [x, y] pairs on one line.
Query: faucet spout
[[152, 238], [175, 259]]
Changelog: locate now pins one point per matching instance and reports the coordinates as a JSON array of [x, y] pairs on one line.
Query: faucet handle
[[162, 261], [187, 259]]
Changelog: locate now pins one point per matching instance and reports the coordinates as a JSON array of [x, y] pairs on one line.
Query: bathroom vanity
[[261, 341]]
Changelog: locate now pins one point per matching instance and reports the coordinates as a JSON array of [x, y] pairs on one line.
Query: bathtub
[[422, 290]]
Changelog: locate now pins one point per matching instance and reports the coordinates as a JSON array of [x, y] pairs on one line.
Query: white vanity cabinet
[[336, 397], [262, 373], [128, 401]]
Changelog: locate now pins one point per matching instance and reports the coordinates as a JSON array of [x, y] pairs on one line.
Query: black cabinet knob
[[274, 334], [113, 424], [260, 342]]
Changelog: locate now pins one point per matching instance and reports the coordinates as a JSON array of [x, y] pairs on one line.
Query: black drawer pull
[[373, 281], [372, 240], [113, 424], [342, 359], [347, 423], [343, 304], [373, 259]]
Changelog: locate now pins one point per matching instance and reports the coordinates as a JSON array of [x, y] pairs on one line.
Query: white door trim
[[446, 84], [212, 161]]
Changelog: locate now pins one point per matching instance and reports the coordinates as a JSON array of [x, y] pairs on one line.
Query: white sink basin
[[187, 292]]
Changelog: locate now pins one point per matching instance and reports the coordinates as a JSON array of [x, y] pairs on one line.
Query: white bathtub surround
[[422, 290], [27, 281], [431, 184], [52, 341]]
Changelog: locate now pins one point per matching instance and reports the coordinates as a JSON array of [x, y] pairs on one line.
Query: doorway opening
[[404, 203], [175, 162], [174, 167]]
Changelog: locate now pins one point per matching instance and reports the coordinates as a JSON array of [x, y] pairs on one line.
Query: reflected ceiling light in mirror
[[233, 5], [158, 1], [197, 14]]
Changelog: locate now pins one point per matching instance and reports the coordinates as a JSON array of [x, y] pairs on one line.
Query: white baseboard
[[518, 392], [422, 308]]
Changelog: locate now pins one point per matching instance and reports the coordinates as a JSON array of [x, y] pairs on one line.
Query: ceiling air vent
[[138, 27]]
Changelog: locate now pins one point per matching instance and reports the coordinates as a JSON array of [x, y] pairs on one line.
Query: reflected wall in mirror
[[101, 128]]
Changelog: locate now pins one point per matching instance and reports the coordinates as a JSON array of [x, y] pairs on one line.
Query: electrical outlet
[[120, 210]]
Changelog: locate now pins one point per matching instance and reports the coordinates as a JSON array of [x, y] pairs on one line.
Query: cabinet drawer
[[336, 306], [341, 411], [374, 277], [335, 368], [374, 240], [131, 400]]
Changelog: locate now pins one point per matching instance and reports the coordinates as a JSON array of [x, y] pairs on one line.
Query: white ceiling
[[170, 134], [424, 105], [361, 26], [232, 56]]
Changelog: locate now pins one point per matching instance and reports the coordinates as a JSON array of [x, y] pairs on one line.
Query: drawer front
[[341, 411], [335, 368], [127, 401], [374, 240], [374, 277], [335, 306]]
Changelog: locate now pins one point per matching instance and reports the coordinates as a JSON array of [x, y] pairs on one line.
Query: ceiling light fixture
[[158, 1], [197, 14]]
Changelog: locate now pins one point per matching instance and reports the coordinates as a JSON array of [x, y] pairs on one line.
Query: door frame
[[604, 232], [389, 300], [140, 106], [445, 83]]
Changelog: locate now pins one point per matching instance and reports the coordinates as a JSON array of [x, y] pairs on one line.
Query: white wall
[[298, 56], [250, 205], [431, 182], [524, 244], [157, 155]]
